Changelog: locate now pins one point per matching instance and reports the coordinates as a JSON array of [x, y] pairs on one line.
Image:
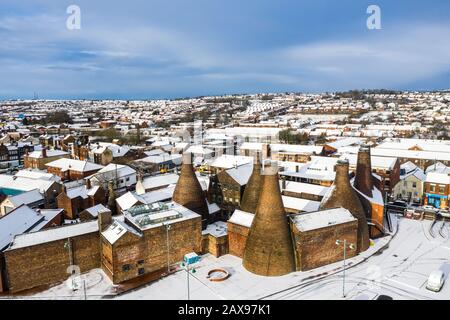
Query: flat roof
[[170, 213]]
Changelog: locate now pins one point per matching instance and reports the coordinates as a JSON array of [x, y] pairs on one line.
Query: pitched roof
[[436, 177], [76, 165], [242, 218], [50, 153], [26, 197], [53, 234], [322, 219], [18, 221], [82, 192]]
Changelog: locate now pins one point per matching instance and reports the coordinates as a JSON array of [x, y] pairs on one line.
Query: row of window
[[438, 189]]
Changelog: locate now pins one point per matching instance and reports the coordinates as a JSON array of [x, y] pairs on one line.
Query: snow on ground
[[240, 285], [400, 271], [94, 284]]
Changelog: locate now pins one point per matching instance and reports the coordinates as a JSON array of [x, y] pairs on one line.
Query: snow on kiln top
[[321, 219]]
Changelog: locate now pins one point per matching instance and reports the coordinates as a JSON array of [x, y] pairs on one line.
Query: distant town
[[341, 195]]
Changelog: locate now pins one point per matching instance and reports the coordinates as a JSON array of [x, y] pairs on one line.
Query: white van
[[435, 281]]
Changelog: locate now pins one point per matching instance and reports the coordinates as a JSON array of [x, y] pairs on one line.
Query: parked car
[[429, 208], [436, 281], [444, 213], [397, 206], [384, 297]]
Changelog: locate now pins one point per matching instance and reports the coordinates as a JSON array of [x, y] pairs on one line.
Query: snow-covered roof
[[26, 197], [377, 162], [322, 219], [18, 221], [48, 215], [112, 172], [319, 168], [24, 184], [242, 218], [155, 152], [173, 213], [300, 187], [37, 174], [230, 161], [296, 148], [175, 158], [423, 144], [82, 192], [159, 180], [410, 169], [410, 154], [129, 199], [117, 229], [198, 149], [53, 234], [50, 153], [251, 146], [216, 229], [76, 165], [117, 151], [344, 142], [212, 207], [241, 174], [300, 204], [93, 211], [436, 177], [438, 167]]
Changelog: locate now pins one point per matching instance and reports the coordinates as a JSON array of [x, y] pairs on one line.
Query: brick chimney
[[88, 184], [363, 179], [104, 219], [342, 194], [44, 152]]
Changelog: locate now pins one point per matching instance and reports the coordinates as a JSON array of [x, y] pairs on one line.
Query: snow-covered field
[[397, 266]]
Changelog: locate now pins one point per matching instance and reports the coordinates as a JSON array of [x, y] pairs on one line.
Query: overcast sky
[[175, 48]]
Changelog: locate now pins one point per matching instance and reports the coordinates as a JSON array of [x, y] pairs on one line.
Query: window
[[126, 267], [141, 271], [414, 184], [441, 189], [127, 179], [141, 262], [432, 187]]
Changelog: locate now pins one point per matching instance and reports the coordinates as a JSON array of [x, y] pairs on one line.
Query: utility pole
[[186, 265], [167, 226], [351, 247]]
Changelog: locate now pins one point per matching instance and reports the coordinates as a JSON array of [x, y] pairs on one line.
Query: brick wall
[[237, 238], [149, 252], [217, 246], [318, 247], [47, 263]]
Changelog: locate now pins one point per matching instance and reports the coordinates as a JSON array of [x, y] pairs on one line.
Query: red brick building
[[70, 169]]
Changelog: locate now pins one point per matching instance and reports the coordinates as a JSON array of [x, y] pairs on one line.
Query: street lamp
[[167, 226], [186, 268], [351, 246]]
